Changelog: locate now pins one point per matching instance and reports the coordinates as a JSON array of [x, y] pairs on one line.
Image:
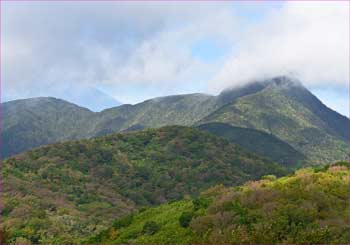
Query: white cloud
[[124, 46], [114, 43], [307, 39]]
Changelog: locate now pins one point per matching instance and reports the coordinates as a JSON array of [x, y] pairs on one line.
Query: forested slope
[[309, 207], [64, 192]]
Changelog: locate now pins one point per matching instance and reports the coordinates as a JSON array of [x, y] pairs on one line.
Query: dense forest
[[259, 142], [64, 192], [311, 206]]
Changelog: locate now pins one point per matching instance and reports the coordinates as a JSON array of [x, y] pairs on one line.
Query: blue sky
[[208, 50], [134, 51]]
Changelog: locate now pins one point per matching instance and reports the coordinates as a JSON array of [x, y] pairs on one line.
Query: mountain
[[281, 107], [170, 110], [65, 192], [284, 108], [261, 143], [309, 207], [34, 122], [80, 94]]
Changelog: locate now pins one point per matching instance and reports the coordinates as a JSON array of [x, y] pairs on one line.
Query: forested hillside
[[65, 192], [39, 121], [287, 110], [309, 207], [259, 142]]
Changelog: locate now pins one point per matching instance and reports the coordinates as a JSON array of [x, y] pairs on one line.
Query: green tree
[[185, 219], [150, 228]]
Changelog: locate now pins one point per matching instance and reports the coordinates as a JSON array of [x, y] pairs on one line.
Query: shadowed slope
[[258, 142]]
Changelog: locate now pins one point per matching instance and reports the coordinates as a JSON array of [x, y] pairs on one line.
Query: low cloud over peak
[[307, 40], [135, 51]]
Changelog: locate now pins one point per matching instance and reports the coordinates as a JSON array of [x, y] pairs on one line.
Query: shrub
[[199, 203], [269, 177], [150, 228], [185, 219], [123, 222], [143, 209]]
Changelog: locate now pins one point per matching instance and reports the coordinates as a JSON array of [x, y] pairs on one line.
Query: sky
[[133, 51]]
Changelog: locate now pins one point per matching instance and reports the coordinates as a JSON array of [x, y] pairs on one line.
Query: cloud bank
[[116, 44], [305, 39], [135, 51]]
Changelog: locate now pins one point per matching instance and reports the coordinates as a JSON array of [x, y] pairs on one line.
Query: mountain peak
[[282, 81], [279, 82]]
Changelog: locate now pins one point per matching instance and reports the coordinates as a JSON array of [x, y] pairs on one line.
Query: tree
[[185, 219], [150, 228]]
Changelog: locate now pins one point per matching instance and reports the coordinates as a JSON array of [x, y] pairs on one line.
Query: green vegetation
[[150, 228], [65, 192], [290, 112], [309, 207], [280, 107], [39, 121], [182, 110], [185, 219], [258, 142], [34, 122], [144, 186], [165, 216]]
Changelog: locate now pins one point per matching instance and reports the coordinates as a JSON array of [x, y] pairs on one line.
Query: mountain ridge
[[294, 115], [256, 105]]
